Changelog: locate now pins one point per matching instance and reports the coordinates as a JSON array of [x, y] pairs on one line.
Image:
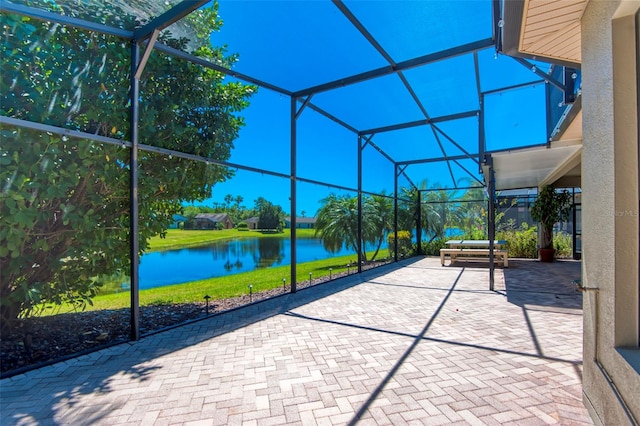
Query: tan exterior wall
[[610, 212]]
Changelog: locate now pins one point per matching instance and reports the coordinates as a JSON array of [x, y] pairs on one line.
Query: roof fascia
[[559, 172], [512, 11], [512, 16]]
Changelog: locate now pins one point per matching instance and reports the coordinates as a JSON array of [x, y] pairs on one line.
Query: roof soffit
[[544, 29]]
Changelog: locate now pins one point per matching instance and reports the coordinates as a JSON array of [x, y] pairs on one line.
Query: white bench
[[474, 255]]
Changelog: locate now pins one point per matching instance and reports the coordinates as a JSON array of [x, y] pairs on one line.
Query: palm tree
[[238, 200], [439, 208], [228, 199], [337, 224], [472, 218], [408, 212], [447, 206], [378, 210]]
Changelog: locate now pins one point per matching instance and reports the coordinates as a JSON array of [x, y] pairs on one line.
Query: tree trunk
[[377, 249], [546, 237], [8, 314]]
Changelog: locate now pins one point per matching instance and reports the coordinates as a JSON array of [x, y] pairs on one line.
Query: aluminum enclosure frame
[[301, 97]]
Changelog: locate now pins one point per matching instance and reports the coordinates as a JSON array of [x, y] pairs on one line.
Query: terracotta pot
[[546, 255]]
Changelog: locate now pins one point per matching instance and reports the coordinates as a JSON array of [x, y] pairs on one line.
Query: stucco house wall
[[611, 380]]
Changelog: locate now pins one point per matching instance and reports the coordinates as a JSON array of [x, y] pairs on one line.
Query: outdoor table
[[497, 244], [474, 250]]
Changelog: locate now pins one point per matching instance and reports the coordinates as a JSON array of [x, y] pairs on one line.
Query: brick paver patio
[[418, 344]]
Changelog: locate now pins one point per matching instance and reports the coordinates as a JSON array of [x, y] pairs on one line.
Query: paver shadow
[[64, 383]]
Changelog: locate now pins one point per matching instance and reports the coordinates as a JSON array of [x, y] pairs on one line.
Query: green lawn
[[221, 287], [178, 238], [224, 287]]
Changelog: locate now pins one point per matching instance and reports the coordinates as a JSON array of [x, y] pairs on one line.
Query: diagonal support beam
[[303, 106], [468, 172], [208, 64], [380, 150], [146, 54], [363, 30], [333, 118], [401, 172], [540, 73], [456, 144], [444, 155], [351, 17], [366, 139]]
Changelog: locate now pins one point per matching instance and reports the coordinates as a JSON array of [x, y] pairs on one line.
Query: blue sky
[[298, 44]]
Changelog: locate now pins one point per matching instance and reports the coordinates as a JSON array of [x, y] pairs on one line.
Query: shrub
[[242, 226], [405, 247], [522, 242], [563, 243], [432, 248], [473, 234]]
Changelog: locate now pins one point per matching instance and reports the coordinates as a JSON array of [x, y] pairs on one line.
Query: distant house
[[301, 222], [252, 222], [211, 221], [178, 221]]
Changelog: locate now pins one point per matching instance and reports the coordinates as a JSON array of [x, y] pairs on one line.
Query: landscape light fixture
[[206, 298]]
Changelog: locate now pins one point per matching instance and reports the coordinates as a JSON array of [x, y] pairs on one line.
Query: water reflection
[[224, 258], [265, 252], [270, 251]]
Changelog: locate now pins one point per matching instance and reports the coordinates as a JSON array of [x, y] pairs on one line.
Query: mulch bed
[[40, 340]]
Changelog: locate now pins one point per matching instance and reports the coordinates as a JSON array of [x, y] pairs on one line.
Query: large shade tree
[[270, 216], [64, 213]]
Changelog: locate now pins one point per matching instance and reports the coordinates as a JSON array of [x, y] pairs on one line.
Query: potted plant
[[548, 209]]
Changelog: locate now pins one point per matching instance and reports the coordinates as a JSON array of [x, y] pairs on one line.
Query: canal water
[[228, 257]]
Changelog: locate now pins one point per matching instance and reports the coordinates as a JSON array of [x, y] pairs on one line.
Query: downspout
[[596, 360]]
